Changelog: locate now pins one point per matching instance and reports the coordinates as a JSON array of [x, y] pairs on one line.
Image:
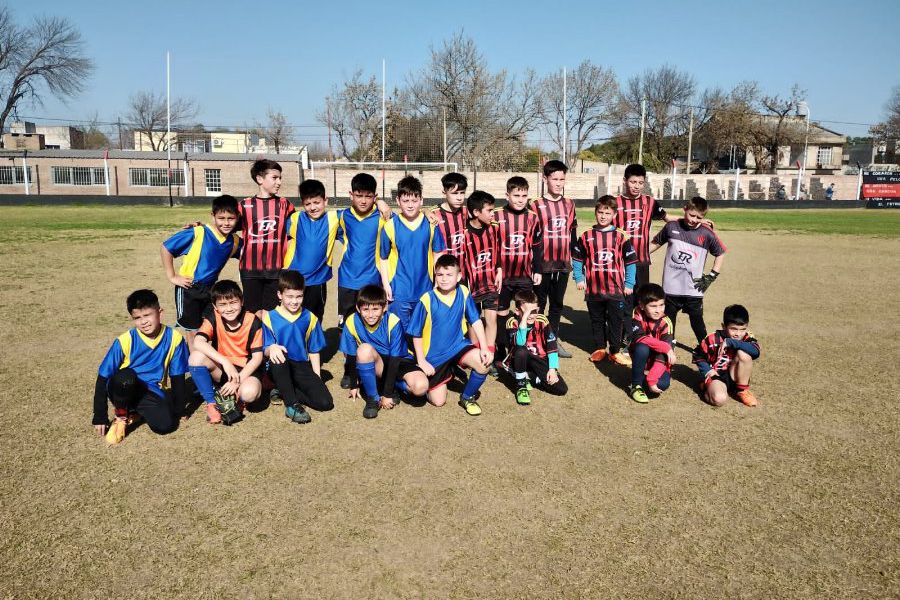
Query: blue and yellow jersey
[[387, 337], [205, 252], [301, 334], [154, 360], [409, 249], [442, 323], [311, 244], [359, 235]]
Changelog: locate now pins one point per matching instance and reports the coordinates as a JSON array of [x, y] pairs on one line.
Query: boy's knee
[[365, 353], [196, 359], [743, 357], [123, 381], [418, 386]]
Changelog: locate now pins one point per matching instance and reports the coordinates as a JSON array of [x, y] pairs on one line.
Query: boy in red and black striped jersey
[[560, 231], [604, 264], [725, 359], [521, 247], [480, 261], [451, 216], [652, 353], [533, 349], [264, 219]]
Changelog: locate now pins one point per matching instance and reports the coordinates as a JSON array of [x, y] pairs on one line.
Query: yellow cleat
[[116, 432]]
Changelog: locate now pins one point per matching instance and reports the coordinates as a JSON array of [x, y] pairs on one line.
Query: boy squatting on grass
[[725, 359], [139, 368], [603, 264], [375, 338], [439, 336], [228, 349], [205, 250], [652, 352]]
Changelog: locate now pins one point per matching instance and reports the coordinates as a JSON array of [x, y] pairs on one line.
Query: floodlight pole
[[384, 106], [687, 167], [643, 119], [565, 104], [168, 132], [445, 139]]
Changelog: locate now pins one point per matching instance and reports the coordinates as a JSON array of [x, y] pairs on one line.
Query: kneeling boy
[[377, 341], [293, 338], [652, 354], [138, 369], [725, 359], [533, 349], [439, 332], [228, 349]]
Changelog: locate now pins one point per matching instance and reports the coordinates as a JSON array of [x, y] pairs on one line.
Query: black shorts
[[190, 304], [259, 373], [487, 301], [260, 293], [346, 301], [444, 373], [725, 377], [314, 298], [508, 291], [404, 365]]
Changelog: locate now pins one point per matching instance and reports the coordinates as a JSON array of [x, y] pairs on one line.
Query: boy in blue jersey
[[377, 340], [407, 247], [138, 369], [205, 250], [293, 338], [441, 339], [312, 234]]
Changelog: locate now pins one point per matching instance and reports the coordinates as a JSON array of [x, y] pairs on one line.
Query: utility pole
[[687, 168], [643, 120]]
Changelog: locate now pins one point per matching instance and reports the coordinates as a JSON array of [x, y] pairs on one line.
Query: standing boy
[[451, 215], [559, 227], [408, 245], [139, 368], [480, 262], [652, 351], [533, 349], [438, 328], [725, 359], [604, 266], [205, 250], [689, 242]]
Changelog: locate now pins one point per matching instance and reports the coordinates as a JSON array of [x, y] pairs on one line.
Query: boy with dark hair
[[206, 250], [652, 352], [312, 234], [533, 349], [407, 247], [228, 349], [559, 228], [293, 338], [604, 264], [451, 215], [689, 242], [377, 340], [264, 224], [521, 247], [139, 368], [725, 359], [480, 262], [440, 338]]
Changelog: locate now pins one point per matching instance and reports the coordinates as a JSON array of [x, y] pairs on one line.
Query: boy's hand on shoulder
[[181, 281], [192, 225], [708, 222], [432, 216], [581, 285], [552, 376], [384, 209], [426, 367], [276, 354]]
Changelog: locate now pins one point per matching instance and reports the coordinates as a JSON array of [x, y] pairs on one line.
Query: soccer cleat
[[637, 394], [471, 406], [275, 397], [522, 396], [133, 419], [747, 398], [347, 382], [619, 358], [370, 410], [598, 355], [213, 416], [493, 372], [562, 352], [297, 414], [116, 432]]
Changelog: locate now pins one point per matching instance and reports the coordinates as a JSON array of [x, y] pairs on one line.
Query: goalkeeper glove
[[701, 284]]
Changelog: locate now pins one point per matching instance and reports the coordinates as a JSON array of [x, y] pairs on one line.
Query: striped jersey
[[604, 252], [714, 353], [540, 340], [634, 215], [480, 258], [154, 360], [520, 243], [205, 252], [311, 245], [264, 223], [236, 343], [442, 321], [560, 230], [686, 254], [359, 235], [300, 333], [409, 248], [453, 227], [387, 337]]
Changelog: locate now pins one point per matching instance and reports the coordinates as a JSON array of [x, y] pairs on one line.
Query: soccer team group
[[423, 297]]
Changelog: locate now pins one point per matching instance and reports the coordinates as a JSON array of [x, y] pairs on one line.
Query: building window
[[213, 180], [78, 175], [15, 176], [154, 177], [824, 156]]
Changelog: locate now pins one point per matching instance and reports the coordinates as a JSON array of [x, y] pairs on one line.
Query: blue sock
[[399, 384], [367, 380], [203, 381], [476, 380]]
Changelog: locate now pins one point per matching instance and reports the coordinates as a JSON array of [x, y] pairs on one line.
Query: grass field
[[587, 496]]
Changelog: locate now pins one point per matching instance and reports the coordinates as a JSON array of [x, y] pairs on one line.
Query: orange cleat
[[213, 415], [598, 355], [747, 398], [620, 358]]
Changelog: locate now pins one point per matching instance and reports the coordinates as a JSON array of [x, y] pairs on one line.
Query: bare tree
[[727, 119], [94, 137], [277, 132], [147, 116], [777, 128], [48, 54], [353, 112], [590, 104], [889, 129]]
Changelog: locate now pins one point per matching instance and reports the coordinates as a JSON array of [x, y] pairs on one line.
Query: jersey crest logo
[[557, 223], [633, 224], [456, 240], [264, 226], [515, 241], [483, 257], [682, 257], [701, 239], [604, 257]]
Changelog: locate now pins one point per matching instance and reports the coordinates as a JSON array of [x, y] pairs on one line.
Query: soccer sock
[[521, 379], [367, 379], [401, 385], [742, 386], [476, 380], [349, 363], [203, 381]]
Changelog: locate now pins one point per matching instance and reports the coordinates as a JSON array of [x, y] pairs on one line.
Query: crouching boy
[[533, 349], [725, 359], [652, 354]]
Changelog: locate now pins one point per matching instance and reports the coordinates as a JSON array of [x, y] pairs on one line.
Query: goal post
[[336, 175]]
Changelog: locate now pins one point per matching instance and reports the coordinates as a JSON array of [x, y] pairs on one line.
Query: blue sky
[[238, 58]]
